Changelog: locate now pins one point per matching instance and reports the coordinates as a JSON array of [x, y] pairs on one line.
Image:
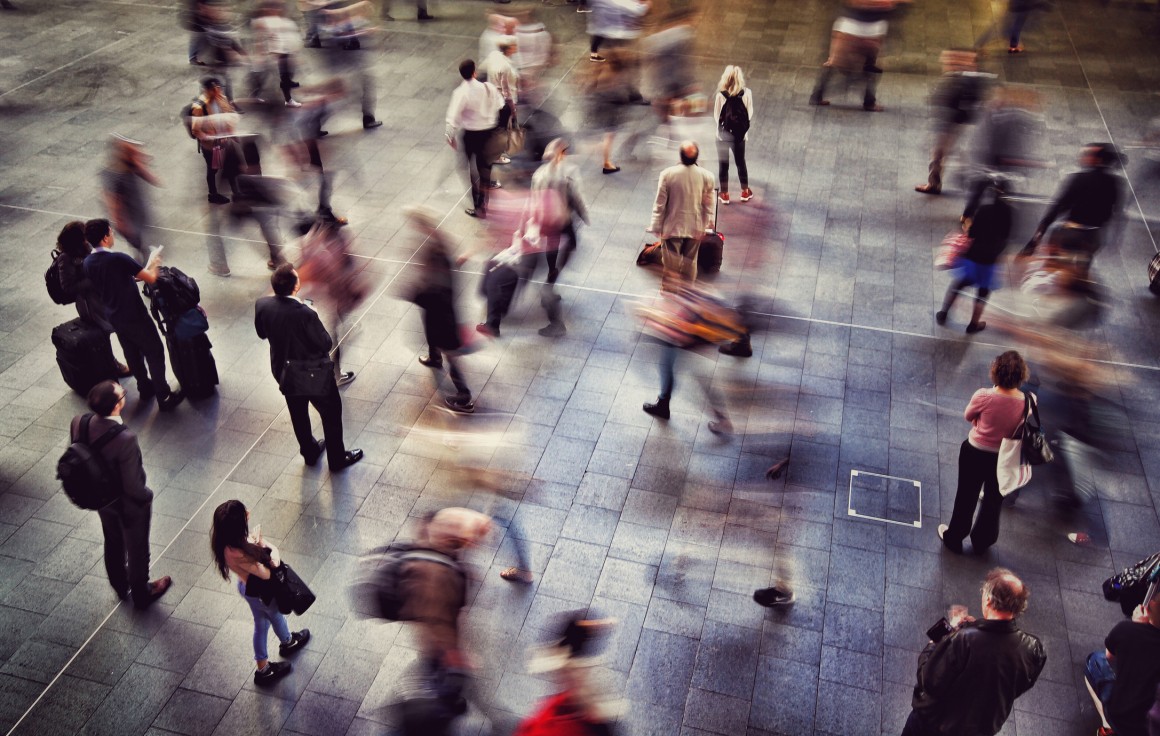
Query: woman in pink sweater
[[994, 413]]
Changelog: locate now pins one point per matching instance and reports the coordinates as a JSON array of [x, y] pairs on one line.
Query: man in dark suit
[[114, 277], [125, 523], [296, 333]]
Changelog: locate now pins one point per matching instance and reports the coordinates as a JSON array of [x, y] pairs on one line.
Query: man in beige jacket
[[683, 211]]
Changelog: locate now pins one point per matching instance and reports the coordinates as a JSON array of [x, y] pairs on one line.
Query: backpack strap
[[101, 441]]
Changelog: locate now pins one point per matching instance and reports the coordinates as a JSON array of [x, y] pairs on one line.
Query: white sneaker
[[293, 103]]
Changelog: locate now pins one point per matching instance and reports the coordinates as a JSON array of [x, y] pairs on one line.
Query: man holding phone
[[969, 678]]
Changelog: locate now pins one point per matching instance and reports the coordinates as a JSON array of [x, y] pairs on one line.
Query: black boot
[[660, 409]]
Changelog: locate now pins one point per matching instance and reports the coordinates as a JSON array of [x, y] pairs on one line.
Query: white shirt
[[474, 106]]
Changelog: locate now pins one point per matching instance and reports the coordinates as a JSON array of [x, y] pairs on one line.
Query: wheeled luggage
[[711, 253], [83, 353], [1154, 275], [193, 365]]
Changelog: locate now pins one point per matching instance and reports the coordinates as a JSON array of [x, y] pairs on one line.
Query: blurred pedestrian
[[1007, 131], [955, 102], [114, 277], [685, 318], [435, 295], [213, 124], [355, 70], [1018, 11], [502, 74], [193, 20], [608, 90], [499, 27], [1088, 199], [277, 39], [554, 204], [223, 48], [855, 42], [583, 705], [123, 184], [989, 232], [300, 361], [125, 522], [682, 213], [616, 24], [473, 110], [994, 413], [248, 556], [733, 111], [535, 54], [327, 260]]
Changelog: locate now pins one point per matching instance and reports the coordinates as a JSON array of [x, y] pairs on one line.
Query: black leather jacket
[[968, 682]]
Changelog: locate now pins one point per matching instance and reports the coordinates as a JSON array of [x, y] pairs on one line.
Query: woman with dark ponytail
[[236, 550]]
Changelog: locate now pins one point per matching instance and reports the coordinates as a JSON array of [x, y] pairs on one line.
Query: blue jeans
[[265, 615], [1100, 674]]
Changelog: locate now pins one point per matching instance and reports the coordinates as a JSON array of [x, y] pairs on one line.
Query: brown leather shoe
[[157, 588]]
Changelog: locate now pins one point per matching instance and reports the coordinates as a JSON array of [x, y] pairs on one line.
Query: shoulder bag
[[1013, 469], [307, 377]]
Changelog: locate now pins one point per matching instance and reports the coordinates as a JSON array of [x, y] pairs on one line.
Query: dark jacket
[[968, 682], [435, 296], [1089, 197], [294, 330], [122, 456]]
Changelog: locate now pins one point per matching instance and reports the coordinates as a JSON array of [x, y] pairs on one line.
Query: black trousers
[[142, 345], [737, 145], [916, 725], [977, 469], [475, 145], [329, 407], [127, 549]]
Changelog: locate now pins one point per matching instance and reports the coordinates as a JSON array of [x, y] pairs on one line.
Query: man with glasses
[[125, 522]]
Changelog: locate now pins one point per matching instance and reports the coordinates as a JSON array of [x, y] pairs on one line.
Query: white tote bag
[[1014, 472]]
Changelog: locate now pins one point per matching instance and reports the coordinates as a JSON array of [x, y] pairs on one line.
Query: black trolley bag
[[83, 354], [712, 249], [173, 301]]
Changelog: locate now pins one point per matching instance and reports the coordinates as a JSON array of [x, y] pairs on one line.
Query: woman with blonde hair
[[733, 111]]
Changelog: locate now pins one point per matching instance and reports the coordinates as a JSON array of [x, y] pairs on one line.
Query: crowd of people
[[494, 120]]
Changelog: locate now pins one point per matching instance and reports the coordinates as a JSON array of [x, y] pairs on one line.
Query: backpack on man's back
[[60, 279], [88, 480]]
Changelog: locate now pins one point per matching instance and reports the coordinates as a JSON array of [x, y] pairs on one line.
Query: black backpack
[[173, 294], [88, 481], [379, 590], [53, 280], [734, 116]]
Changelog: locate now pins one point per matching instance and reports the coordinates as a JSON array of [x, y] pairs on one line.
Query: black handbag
[[291, 593], [1036, 451], [307, 377]]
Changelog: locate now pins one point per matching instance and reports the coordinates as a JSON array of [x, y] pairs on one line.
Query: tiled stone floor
[[662, 525]]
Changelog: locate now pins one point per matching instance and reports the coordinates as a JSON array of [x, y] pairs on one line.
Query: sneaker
[[222, 271], [503, 160], [428, 361], [218, 199], [583, 9], [460, 405], [746, 194], [773, 597], [487, 330], [596, 57], [1015, 49], [553, 329], [974, 327], [271, 673], [723, 197], [293, 103], [1080, 538], [493, 184], [297, 640], [344, 378]]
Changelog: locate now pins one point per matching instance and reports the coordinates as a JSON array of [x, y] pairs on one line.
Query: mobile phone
[[940, 630]]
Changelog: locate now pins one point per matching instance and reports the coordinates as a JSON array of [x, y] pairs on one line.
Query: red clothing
[[993, 416]]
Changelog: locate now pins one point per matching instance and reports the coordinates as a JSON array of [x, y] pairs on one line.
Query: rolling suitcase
[[712, 249], [83, 353], [193, 365], [1154, 275]]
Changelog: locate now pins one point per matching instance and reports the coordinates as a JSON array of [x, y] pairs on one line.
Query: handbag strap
[[1019, 431]]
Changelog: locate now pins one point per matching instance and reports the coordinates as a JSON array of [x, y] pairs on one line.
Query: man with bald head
[[683, 212], [968, 680]]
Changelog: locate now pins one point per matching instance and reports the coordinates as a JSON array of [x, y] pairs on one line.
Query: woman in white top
[[733, 129], [246, 556]]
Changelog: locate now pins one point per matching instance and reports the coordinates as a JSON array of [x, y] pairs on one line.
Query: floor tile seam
[[79, 59]]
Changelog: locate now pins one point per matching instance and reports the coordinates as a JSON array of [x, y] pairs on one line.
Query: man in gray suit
[[125, 522], [683, 212]]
